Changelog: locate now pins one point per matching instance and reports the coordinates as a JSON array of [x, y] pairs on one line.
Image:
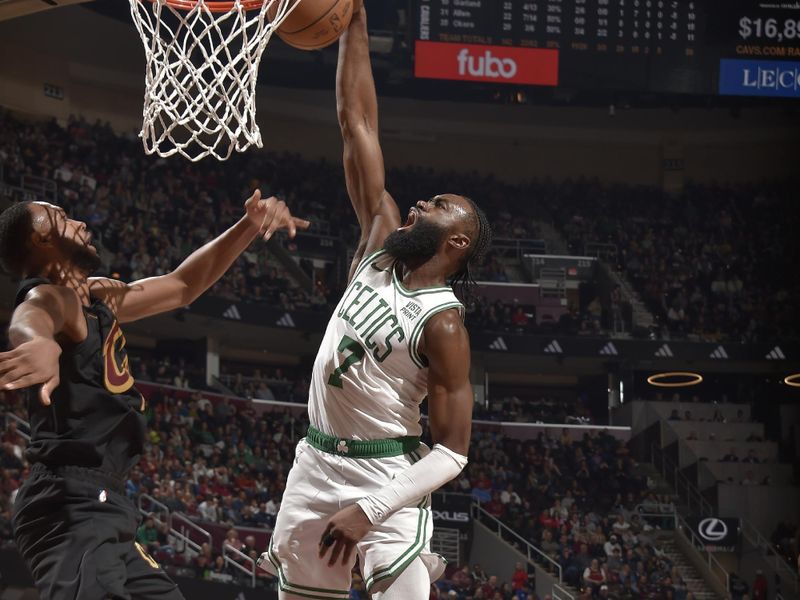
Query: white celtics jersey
[[369, 377]]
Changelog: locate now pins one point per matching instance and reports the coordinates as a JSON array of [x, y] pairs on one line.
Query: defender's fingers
[[301, 223], [254, 198], [47, 390], [4, 356], [269, 218], [9, 378], [270, 208], [23, 382], [11, 363]]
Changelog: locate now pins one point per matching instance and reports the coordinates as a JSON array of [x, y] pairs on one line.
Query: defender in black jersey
[[72, 522]]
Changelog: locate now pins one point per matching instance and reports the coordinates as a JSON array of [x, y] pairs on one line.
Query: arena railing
[[230, 555], [517, 247], [146, 503], [685, 489], [188, 525], [560, 593], [533, 553], [23, 427], [601, 250], [770, 554]]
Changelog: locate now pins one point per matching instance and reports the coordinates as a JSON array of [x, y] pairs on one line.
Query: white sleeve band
[[420, 479]]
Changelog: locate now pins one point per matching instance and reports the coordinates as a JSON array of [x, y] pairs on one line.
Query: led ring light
[[691, 379], [792, 380]]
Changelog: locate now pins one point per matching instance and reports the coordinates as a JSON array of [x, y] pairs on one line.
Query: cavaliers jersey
[[95, 418], [369, 377]]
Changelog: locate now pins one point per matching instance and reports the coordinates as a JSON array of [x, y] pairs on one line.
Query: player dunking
[[362, 480], [72, 522]]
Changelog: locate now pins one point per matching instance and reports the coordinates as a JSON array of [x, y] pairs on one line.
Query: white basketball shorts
[[318, 486]]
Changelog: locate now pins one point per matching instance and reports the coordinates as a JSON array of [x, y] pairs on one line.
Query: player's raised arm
[[357, 107], [201, 269], [48, 311]]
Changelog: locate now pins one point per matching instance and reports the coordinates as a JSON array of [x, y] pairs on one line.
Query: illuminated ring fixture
[[792, 380], [690, 378]]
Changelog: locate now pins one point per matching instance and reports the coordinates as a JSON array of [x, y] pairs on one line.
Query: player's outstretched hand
[[31, 363], [272, 214], [344, 531]]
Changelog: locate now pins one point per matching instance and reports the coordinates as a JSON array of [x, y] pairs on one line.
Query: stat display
[[653, 45], [616, 26]]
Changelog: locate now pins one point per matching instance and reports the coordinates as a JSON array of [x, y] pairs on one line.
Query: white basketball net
[[200, 79]]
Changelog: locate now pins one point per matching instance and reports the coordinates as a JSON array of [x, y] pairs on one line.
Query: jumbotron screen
[[742, 47]]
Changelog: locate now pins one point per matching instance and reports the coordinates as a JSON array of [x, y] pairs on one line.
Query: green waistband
[[361, 448]]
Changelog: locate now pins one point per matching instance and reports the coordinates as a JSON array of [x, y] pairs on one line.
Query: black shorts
[[76, 531]]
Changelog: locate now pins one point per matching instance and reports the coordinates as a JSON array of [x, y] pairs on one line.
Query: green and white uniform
[[367, 384]]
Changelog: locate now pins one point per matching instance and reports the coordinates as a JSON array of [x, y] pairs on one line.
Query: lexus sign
[[452, 511], [494, 64], [716, 534]]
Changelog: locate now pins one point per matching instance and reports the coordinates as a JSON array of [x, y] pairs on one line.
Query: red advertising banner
[[496, 64]]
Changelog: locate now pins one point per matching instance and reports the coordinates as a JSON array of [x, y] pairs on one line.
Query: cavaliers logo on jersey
[[116, 374]]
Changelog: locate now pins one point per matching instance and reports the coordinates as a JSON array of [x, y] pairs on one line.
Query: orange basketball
[[314, 24]]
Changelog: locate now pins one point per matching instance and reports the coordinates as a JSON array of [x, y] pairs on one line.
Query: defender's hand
[[272, 214], [344, 531], [30, 363]]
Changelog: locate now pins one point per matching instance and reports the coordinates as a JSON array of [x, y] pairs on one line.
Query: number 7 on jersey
[[357, 352]]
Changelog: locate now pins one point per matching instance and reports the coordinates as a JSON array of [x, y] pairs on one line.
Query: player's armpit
[[48, 311], [445, 344]]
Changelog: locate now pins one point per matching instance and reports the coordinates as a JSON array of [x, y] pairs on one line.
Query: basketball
[[314, 24]]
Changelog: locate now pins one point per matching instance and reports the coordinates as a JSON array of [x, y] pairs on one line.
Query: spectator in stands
[[738, 586], [478, 574], [147, 535], [491, 587], [593, 577], [760, 586], [548, 545], [751, 457], [519, 579], [731, 456]]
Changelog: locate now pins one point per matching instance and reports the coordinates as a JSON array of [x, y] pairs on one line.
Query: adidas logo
[[498, 344], [719, 352], [232, 313], [609, 350], [285, 321], [664, 352], [553, 348], [776, 354]]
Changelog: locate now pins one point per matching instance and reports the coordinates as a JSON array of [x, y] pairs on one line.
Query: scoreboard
[[643, 45], [616, 26]]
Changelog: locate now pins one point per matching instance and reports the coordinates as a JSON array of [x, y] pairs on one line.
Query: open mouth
[[410, 219]]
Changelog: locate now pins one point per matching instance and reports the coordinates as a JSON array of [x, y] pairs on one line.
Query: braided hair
[[479, 246], [16, 225]]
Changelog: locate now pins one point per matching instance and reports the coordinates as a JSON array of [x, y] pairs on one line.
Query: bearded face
[[83, 256], [419, 243]]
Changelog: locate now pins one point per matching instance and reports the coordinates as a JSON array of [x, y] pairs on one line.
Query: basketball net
[[200, 79]]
